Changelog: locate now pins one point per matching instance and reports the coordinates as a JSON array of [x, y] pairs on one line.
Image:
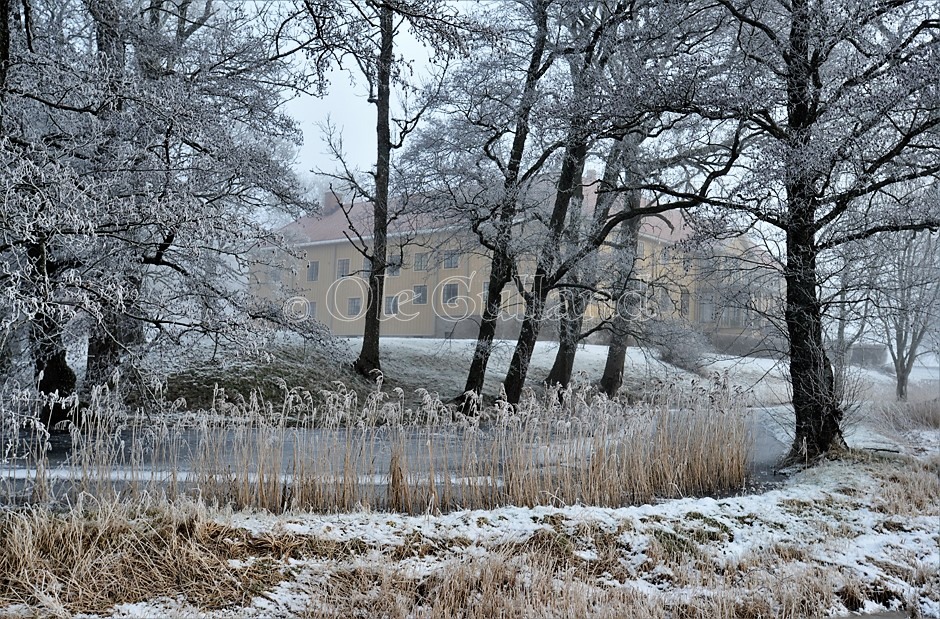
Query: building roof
[[334, 223], [670, 227]]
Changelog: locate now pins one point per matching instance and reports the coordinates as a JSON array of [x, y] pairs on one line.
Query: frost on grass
[[856, 535], [845, 537]]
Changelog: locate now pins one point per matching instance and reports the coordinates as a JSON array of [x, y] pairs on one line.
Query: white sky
[[346, 106]]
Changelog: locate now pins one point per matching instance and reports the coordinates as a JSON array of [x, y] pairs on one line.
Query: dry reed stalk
[[565, 448], [99, 553]]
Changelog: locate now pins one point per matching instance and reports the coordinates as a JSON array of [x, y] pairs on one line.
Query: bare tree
[[848, 275], [484, 150], [906, 297], [839, 104], [593, 33], [586, 278], [663, 52], [364, 32], [138, 166]]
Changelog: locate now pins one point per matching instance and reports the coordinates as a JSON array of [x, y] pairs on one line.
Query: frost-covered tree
[[139, 160], [906, 298], [840, 103], [483, 153], [593, 31], [627, 65], [520, 120], [363, 34]]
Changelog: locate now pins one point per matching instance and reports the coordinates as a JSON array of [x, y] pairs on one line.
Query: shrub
[[677, 344]]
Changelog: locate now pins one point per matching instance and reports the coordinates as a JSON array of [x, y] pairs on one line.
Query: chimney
[[329, 204]]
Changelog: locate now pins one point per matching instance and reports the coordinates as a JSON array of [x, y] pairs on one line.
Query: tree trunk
[[4, 46], [51, 370], [627, 305], [368, 362], [816, 407], [818, 415], [901, 388], [574, 303], [904, 363], [612, 379], [115, 332], [569, 185], [569, 182], [525, 345], [499, 276], [108, 343], [502, 262]]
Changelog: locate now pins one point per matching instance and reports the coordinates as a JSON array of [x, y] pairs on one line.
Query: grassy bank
[[854, 535], [358, 504]]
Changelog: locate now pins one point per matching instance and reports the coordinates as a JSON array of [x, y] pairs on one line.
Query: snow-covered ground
[[853, 536], [860, 535], [444, 363], [411, 359]]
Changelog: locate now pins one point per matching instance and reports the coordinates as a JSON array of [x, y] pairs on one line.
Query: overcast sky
[[346, 105]]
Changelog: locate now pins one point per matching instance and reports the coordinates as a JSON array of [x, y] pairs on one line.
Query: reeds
[[343, 454]]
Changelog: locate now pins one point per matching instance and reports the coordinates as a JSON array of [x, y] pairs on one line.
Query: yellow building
[[435, 284]]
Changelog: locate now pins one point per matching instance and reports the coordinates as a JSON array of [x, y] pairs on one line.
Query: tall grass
[[98, 553], [343, 453]]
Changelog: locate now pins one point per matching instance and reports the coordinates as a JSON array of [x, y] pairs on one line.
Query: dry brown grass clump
[[916, 486], [499, 585], [921, 411], [97, 555], [568, 562], [924, 414]]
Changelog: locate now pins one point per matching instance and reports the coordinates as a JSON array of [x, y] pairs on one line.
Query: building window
[[366, 268], [353, 307], [342, 268], [451, 259], [311, 309], [394, 267], [706, 310], [313, 271], [449, 294], [391, 305], [640, 250], [275, 275], [421, 261], [421, 295], [685, 300], [666, 303]]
